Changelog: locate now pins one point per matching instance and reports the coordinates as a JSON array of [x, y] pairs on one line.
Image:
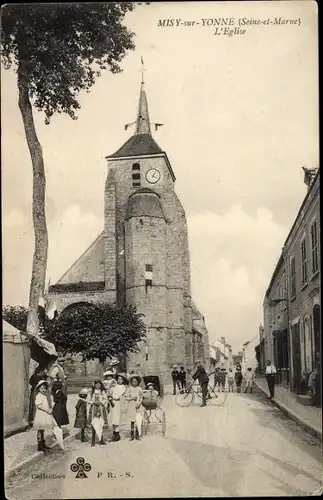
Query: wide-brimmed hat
[[108, 372], [136, 376], [41, 382], [84, 391], [123, 376]]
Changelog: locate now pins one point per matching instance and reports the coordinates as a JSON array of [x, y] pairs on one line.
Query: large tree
[[57, 50], [96, 331]]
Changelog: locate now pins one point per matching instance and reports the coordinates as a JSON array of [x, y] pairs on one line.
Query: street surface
[[245, 448]]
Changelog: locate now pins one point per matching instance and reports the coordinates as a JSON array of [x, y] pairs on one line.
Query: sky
[[240, 117]]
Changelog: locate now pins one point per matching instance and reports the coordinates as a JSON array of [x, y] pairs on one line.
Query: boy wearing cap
[[134, 397], [81, 413]]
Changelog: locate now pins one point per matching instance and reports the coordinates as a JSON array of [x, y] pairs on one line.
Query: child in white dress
[[117, 392], [134, 395], [43, 416], [98, 408]]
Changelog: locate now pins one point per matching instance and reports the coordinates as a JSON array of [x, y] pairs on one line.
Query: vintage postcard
[[161, 250]]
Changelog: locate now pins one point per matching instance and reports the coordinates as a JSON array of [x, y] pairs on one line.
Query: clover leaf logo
[[81, 467]]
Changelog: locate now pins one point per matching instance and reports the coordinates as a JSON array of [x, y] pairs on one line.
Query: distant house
[[221, 353], [249, 358], [237, 358]]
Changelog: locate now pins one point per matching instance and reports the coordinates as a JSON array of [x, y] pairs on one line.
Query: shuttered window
[[304, 261]]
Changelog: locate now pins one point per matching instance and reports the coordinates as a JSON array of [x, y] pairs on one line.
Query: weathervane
[[127, 125]]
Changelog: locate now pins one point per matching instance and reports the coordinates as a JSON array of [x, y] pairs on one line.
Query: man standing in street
[[175, 378], [270, 376], [182, 377], [203, 379]]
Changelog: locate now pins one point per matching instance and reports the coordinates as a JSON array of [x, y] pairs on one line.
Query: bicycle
[[186, 396]]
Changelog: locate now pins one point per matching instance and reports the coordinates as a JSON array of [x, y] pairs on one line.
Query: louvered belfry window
[[136, 177]]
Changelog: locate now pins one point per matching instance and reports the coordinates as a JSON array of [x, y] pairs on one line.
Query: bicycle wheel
[[163, 423], [216, 398], [184, 398]]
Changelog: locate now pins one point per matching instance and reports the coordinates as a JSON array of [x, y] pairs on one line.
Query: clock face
[[153, 175]]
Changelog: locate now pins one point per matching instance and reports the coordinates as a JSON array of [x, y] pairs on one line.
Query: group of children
[[102, 406], [224, 379]]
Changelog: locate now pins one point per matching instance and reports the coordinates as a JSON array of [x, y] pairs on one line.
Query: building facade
[[249, 358], [142, 255], [291, 336], [221, 354], [276, 337], [302, 262]]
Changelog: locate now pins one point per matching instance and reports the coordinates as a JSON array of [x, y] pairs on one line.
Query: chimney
[[309, 175]]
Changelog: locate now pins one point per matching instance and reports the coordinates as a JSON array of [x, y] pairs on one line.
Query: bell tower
[[145, 228]]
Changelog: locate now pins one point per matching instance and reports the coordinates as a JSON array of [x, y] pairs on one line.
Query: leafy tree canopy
[[97, 331], [16, 316], [62, 48]]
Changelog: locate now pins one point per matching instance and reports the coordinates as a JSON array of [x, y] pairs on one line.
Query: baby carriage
[[152, 404]]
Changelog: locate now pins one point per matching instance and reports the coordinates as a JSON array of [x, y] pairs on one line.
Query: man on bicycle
[[203, 379]]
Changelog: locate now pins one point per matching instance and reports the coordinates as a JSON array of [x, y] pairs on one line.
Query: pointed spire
[[143, 121]]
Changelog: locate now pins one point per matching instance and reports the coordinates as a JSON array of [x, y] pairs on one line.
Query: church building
[[142, 255]]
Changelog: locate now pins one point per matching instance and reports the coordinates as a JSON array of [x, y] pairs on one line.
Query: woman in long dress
[[59, 410], [117, 392]]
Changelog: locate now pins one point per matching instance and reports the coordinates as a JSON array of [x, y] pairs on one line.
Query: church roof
[[138, 145], [89, 268], [144, 202]]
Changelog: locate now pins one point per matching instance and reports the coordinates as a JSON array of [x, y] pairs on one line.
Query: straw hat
[[134, 375], [83, 392], [123, 376], [41, 382], [107, 373]]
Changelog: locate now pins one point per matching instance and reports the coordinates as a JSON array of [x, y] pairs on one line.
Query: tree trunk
[[38, 275], [101, 366]]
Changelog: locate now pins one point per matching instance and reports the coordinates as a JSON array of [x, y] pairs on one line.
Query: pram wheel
[[163, 423], [145, 423]]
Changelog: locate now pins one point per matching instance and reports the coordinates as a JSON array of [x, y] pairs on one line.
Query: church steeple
[[141, 142], [143, 121]]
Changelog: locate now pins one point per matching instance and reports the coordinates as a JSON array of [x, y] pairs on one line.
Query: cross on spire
[[142, 70], [142, 122]]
